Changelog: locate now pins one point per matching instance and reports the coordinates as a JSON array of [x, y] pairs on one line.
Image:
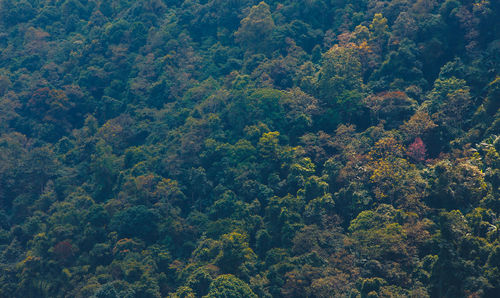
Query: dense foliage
[[238, 148]]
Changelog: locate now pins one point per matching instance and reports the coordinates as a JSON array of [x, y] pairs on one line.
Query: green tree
[[137, 221], [226, 286], [235, 253], [256, 29], [340, 83], [378, 234], [379, 30]]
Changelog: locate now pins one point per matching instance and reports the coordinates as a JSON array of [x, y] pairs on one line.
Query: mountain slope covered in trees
[[238, 148]]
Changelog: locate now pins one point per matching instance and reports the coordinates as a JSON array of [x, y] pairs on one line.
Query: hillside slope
[[209, 148]]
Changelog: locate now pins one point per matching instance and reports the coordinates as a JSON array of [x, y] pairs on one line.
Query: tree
[[449, 271], [417, 150], [226, 286], [137, 221], [417, 126], [450, 100], [300, 110], [269, 145], [52, 107], [456, 185], [369, 228], [200, 280], [405, 26], [340, 74], [103, 166], [491, 104], [401, 69], [234, 253], [393, 178], [106, 291], [183, 292], [340, 83], [379, 31], [391, 107], [63, 251], [256, 29]]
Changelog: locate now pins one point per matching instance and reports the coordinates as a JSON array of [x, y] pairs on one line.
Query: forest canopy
[[244, 148]]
